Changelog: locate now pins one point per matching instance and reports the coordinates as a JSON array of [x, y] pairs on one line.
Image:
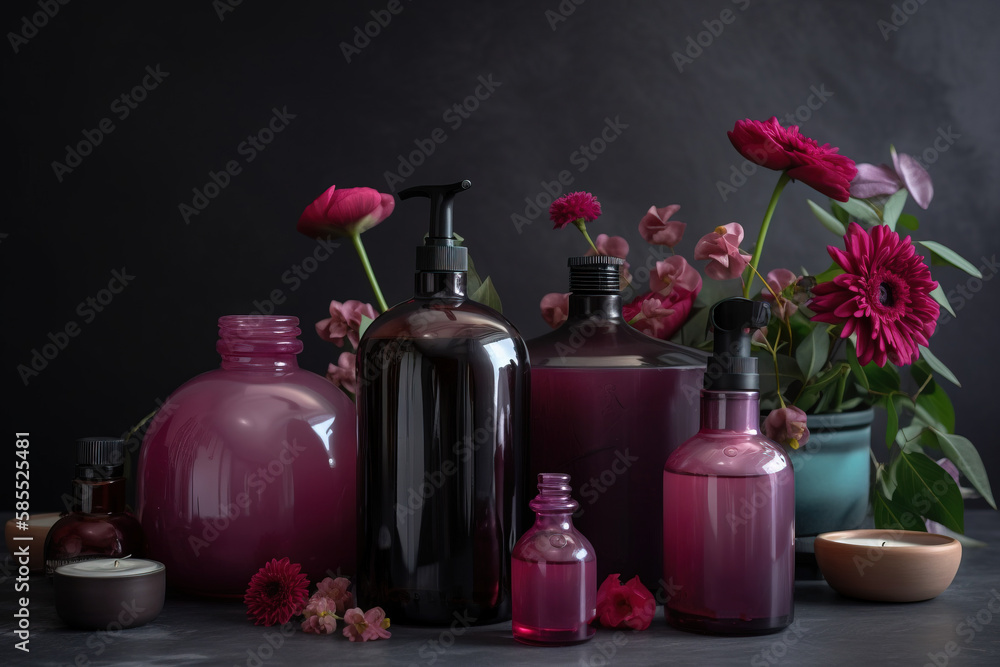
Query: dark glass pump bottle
[[729, 499], [98, 525], [442, 430], [608, 405]]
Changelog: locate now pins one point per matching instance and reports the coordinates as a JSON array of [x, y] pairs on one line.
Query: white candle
[[104, 568], [877, 542]]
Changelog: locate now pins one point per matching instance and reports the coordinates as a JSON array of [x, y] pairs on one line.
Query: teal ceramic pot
[[832, 473]]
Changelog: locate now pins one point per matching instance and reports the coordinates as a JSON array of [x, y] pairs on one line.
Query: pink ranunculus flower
[[613, 246], [779, 280], [555, 308], [883, 180], [657, 315], [344, 373], [344, 322], [320, 616], [574, 207], [337, 591], [345, 212], [629, 606], [657, 228], [770, 145], [366, 626], [722, 248], [674, 274], [788, 426]]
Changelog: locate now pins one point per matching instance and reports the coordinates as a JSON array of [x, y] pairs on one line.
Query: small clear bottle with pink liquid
[[729, 499], [554, 572]]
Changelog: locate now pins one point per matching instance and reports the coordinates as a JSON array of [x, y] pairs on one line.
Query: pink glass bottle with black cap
[[252, 461], [608, 405], [554, 572], [729, 499]]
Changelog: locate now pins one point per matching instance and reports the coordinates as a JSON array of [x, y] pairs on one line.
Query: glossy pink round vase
[[249, 462]]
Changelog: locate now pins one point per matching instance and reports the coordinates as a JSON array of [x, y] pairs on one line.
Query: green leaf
[[487, 295], [933, 406], [840, 213], [851, 403], [830, 222], [938, 366], [891, 515], [829, 274], [963, 454], [914, 437], [909, 221], [928, 488], [938, 295], [944, 255], [473, 281], [823, 381], [811, 353], [884, 379], [893, 207], [365, 321], [856, 370], [892, 420], [861, 211]]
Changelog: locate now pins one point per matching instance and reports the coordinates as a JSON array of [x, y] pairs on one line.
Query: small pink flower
[[657, 228], [574, 207], [320, 616], [344, 322], [555, 308], [883, 180], [722, 248], [344, 374], [787, 426], [345, 212], [366, 626], [336, 590], [629, 606], [674, 274], [613, 246], [780, 280]]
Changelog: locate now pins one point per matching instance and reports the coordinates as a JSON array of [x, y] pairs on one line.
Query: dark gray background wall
[[874, 72]]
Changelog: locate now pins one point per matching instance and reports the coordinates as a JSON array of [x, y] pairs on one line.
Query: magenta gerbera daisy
[[277, 592], [573, 207], [883, 296]]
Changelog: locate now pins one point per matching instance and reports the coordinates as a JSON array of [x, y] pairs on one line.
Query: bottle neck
[[560, 521], [586, 306], [440, 285], [259, 342], [737, 411], [105, 496]]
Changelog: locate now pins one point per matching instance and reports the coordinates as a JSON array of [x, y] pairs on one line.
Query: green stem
[[360, 247], [759, 247], [582, 226]]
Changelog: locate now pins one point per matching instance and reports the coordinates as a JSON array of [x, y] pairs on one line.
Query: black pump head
[[439, 252], [732, 366]]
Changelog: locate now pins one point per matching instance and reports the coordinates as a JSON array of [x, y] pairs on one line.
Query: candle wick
[[116, 560], [883, 544]]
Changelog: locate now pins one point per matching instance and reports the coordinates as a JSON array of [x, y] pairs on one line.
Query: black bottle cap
[[732, 366], [596, 274], [439, 252], [100, 458]]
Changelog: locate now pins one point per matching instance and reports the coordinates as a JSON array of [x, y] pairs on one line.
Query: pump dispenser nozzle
[[732, 367], [439, 252]]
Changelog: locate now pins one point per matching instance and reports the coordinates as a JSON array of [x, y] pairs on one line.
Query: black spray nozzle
[[439, 252], [732, 366]]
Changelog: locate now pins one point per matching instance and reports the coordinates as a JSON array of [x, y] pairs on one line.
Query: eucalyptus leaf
[[884, 379], [861, 211], [938, 295], [892, 515], [938, 366], [934, 408], [891, 421], [943, 255], [928, 488], [830, 222], [912, 438], [851, 403], [812, 352], [909, 221], [893, 208], [963, 454], [856, 370], [839, 213], [487, 295]]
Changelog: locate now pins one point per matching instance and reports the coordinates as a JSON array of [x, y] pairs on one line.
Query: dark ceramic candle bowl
[[98, 595]]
